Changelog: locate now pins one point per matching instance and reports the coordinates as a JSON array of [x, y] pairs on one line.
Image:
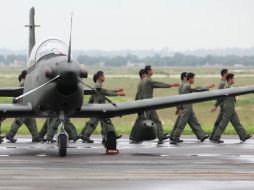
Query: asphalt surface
[[190, 165]]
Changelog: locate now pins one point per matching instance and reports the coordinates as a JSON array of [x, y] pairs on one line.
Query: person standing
[[230, 115], [106, 124], [148, 85], [188, 115], [18, 122], [222, 84], [137, 97], [179, 109], [50, 127]]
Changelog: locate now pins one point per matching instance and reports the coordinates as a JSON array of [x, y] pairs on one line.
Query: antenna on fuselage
[[31, 27], [69, 49]]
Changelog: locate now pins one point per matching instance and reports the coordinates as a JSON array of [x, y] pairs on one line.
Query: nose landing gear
[[62, 140]]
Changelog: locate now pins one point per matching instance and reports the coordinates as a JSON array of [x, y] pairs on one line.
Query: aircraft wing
[[89, 92], [132, 107], [11, 92], [15, 110]]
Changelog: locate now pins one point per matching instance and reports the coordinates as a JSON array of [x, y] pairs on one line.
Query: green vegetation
[[155, 59], [125, 79], [177, 59]]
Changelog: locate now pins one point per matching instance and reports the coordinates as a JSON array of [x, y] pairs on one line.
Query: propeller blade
[[98, 93], [37, 88], [69, 49]]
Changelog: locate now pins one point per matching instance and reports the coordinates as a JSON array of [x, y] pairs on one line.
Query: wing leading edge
[[11, 92], [16, 110], [132, 107]]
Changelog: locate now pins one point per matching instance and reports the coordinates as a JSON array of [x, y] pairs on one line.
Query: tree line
[[177, 59]]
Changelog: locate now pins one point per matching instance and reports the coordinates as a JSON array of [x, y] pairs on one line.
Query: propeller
[[98, 93], [69, 49], [37, 88]]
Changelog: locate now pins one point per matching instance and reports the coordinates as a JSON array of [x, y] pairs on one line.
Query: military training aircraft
[[54, 88]]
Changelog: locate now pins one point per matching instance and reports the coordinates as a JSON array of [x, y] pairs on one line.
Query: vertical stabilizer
[[31, 27]]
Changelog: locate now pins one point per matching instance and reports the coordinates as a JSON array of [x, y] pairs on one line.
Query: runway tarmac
[[190, 165]]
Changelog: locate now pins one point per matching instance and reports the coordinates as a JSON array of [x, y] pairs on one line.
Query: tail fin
[[31, 30]]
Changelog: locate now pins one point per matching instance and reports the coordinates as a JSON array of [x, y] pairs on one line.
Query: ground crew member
[[188, 115], [142, 75], [106, 124], [230, 115], [137, 97], [50, 127], [146, 93], [222, 84], [18, 122], [179, 109]]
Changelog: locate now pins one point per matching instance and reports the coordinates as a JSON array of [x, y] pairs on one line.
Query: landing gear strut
[[62, 140]]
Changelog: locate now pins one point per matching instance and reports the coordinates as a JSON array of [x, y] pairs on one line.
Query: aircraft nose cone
[[68, 82], [66, 69]]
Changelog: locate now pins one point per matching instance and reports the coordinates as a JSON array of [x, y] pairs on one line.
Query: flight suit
[[29, 122], [178, 109], [50, 127], [188, 116], [146, 93], [135, 126], [229, 115], [139, 89], [218, 103], [106, 123]]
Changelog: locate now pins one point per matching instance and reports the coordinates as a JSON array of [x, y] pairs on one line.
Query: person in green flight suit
[[148, 85], [179, 109], [50, 127], [18, 122], [106, 124], [188, 115], [230, 115], [222, 84], [137, 97]]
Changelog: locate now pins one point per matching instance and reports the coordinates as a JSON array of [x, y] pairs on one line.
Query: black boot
[[10, 138], [1, 139], [177, 140], [204, 138], [37, 139], [246, 138], [217, 141], [163, 138], [86, 139], [119, 136], [49, 140]]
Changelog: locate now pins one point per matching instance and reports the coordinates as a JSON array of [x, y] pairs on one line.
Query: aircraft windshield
[[46, 47]]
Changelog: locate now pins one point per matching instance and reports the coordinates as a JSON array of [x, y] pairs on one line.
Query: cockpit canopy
[[45, 47]]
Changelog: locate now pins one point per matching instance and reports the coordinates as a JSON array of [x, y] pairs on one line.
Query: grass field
[[126, 78]]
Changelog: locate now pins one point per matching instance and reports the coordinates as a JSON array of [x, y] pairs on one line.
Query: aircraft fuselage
[[65, 94]]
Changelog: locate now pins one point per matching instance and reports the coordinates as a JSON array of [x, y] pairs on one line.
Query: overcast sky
[[133, 24]]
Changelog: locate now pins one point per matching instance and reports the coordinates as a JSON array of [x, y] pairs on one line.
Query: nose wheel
[[62, 139], [62, 143]]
